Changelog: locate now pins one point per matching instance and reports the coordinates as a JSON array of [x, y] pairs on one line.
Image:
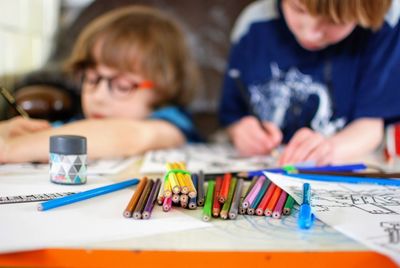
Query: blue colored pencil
[[328, 168], [86, 195], [344, 179]]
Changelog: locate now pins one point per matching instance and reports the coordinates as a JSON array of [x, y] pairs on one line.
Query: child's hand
[[250, 138], [307, 145], [19, 126]]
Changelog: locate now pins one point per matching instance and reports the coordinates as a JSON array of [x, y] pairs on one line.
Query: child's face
[[107, 93], [313, 33]]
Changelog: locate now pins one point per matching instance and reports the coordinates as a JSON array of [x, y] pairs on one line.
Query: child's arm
[[360, 137], [250, 138], [105, 138], [19, 126]]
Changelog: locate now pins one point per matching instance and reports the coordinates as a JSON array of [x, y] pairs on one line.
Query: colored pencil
[[192, 203], [265, 200], [137, 212], [167, 204], [188, 180], [151, 199], [344, 179], [167, 188], [272, 202], [287, 209], [216, 205], [200, 189], [66, 200], [223, 194], [175, 198], [290, 168], [233, 211], [209, 201], [242, 210], [173, 180], [227, 205], [160, 197], [254, 191], [252, 208], [135, 198], [277, 213]]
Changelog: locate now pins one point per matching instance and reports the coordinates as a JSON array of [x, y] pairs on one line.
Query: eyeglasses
[[118, 86]]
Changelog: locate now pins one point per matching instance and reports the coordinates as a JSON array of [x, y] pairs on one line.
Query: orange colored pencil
[[223, 195], [135, 198], [273, 201], [264, 201], [216, 205]]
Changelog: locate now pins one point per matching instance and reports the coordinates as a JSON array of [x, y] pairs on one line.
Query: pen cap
[[68, 159], [68, 144]]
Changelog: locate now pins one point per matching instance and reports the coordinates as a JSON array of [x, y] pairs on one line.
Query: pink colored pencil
[[253, 193], [167, 204], [279, 206]]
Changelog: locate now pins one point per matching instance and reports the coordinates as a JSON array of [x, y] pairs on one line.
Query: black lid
[[68, 144]]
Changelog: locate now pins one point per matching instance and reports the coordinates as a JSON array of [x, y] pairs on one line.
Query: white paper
[[210, 158], [95, 167], [370, 214], [23, 227]]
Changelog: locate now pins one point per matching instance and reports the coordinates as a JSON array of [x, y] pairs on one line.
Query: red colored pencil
[[223, 195], [216, 205], [264, 201]]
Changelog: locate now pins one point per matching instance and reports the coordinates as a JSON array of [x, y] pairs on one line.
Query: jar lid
[[68, 144]]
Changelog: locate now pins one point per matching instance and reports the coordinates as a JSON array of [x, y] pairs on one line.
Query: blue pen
[[288, 168], [306, 217], [347, 179], [85, 195]]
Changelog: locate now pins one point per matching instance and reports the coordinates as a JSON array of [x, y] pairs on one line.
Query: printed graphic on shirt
[[287, 94]]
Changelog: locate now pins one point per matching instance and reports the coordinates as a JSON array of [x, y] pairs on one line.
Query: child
[[133, 62], [322, 75]]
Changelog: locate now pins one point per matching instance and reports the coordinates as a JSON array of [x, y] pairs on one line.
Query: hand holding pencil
[[251, 137]]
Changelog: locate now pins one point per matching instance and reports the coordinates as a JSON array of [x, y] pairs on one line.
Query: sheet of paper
[[23, 227], [370, 214], [211, 158], [95, 167]]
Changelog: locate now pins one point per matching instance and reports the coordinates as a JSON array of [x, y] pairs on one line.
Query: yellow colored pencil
[[175, 184], [192, 189]]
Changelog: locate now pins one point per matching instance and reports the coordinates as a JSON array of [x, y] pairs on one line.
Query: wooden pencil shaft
[[200, 189], [226, 181], [227, 204], [143, 199], [253, 192], [151, 199], [167, 204], [279, 205], [209, 200], [260, 194], [288, 205], [135, 198], [265, 200], [236, 197]]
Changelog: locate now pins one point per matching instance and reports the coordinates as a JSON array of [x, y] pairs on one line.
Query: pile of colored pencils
[[225, 198], [143, 199], [181, 188]]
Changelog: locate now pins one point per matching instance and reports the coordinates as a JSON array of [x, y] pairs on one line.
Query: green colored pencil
[[209, 201], [225, 209], [287, 209]]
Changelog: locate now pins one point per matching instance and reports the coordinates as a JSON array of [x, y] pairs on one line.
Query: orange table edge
[[137, 258]]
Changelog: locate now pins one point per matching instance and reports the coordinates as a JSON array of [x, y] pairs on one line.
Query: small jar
[[68, 159]]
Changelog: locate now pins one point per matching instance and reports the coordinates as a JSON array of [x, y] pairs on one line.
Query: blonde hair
[[366, 13], [141, 40]]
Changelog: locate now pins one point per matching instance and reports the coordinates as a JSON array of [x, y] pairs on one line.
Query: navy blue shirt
[[324, 90]]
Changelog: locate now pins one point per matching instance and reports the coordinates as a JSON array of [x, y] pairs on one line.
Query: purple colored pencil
[[253, 193], [277, 213], [151, 199]]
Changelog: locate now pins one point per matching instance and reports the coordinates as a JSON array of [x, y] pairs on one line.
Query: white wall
[[27, 28]]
